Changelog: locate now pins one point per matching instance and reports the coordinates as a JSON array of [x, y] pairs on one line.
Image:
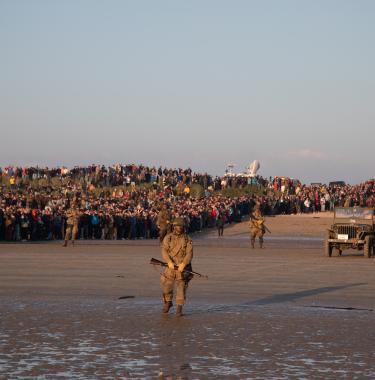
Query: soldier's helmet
[[179, 222]]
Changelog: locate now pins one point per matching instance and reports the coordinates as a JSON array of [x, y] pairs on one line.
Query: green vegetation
[[235, 192], [196, 191]]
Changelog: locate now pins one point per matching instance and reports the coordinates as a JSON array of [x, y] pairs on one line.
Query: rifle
[[262, 223], [163, 264], [267, 229]]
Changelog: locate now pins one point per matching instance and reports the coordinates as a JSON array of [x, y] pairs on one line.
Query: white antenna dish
[[253, 168]]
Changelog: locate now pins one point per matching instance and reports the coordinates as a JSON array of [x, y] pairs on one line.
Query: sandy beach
[[285, 311]]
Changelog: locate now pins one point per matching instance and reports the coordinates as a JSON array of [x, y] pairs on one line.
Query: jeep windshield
[[354, 212]]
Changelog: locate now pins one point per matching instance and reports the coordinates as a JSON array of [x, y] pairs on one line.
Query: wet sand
[[282, 312]]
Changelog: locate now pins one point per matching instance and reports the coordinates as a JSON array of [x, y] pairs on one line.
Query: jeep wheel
[[328, 249], [367, 248]]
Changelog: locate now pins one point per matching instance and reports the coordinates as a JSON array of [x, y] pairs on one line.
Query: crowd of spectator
[[291, 197], [117, 209], [110, 176], [123, 201]]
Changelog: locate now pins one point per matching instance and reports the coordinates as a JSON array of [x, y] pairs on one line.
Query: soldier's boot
[[252, 243], [179, 311], [166, 307], [65, 243]]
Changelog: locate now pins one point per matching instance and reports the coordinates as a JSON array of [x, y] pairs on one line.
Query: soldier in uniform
[[177, 251], [72, 221], [257, 227], [220, 224], [163, 222]]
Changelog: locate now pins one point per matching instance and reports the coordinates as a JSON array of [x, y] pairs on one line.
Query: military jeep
[[352, 228]]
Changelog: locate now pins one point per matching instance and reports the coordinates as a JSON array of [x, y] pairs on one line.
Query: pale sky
[[195, 84]]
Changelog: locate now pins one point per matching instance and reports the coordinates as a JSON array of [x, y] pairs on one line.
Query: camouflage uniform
[[71, 225], [256, 227], [178, 249]]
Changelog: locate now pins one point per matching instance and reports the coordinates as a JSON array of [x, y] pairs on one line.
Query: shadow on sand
[[291, 297], [280, 298]]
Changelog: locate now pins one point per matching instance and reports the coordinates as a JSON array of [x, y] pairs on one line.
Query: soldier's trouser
[[71, 232], [169, 279], [254, 233]]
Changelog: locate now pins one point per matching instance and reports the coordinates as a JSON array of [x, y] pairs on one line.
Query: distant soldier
[[257, 227], [72, 222], [177, 251], [164, 222], [220, 224]]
